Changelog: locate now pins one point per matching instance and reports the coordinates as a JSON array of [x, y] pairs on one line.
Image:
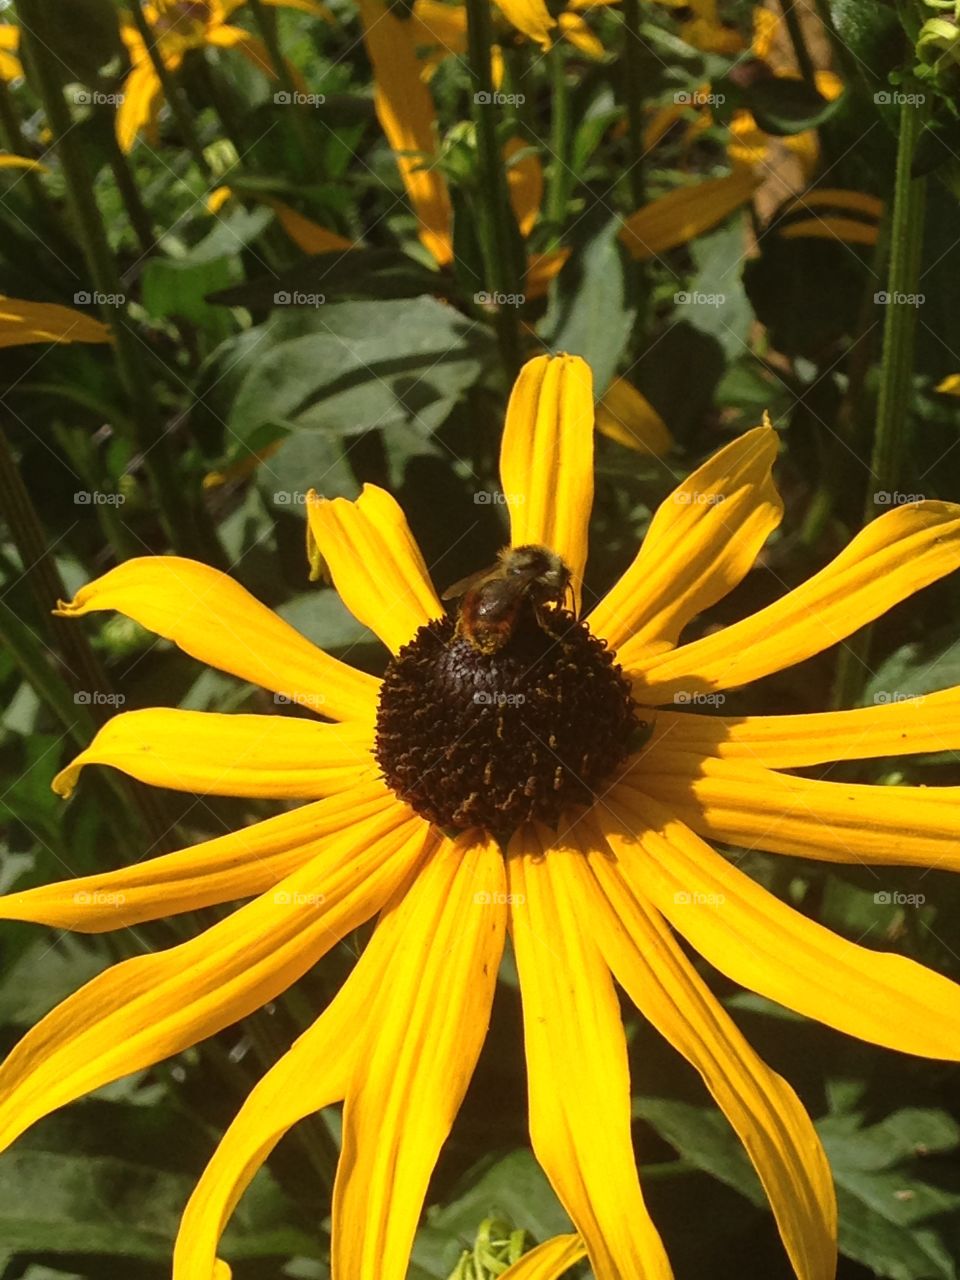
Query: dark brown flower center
[[490, 740]]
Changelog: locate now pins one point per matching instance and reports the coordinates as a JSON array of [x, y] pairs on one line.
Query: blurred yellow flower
[[626, 415], [686, 212], [180, 26], [11, 67]]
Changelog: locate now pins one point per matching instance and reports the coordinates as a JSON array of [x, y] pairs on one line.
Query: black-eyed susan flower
[[180, 26], [558, 783]]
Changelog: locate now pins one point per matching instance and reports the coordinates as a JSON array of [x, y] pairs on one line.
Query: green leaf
[[340, 275], [363, 366], [783, 106], [589, 313], [175, 287], [915, 669]]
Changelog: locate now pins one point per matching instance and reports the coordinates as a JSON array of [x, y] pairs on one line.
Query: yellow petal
[[406, 114], [524, 183], [573, 28], [11, 67], [441, 28], [277, 757], [894, 556], [23, 322], [375, 563], [212, 618], [760, 942], [745, 804], [314, 1073], [837, 198], [532, 17], [703, 540], [895, 726], [626, 415], [313, 7], [578, 1081], [541, 269], [546, 458], [764, 1111], [426, 1026], [148, 1008], [240, 864], [140, 104], [685, 213], [548, 1261], [307, 235], [22, 162], [950, 386], [849, 230]]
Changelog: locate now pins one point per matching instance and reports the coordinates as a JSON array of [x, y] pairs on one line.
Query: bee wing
[[463, 586]]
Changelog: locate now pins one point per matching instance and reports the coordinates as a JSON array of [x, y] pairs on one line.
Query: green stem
[[634, 70], [140, 219], [266, 21], [172, 91], [500, 238], [558, 182], [184, 525], [86, 672], [795, 30], [892, 439]]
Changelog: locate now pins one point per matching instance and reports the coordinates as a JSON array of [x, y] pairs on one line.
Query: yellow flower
[[594, 848], [703, 29], [11, 67], [180, 26], [950, 386], [833, 226], [23, 322]]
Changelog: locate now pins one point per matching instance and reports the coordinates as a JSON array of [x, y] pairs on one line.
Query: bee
[[491, 601]]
